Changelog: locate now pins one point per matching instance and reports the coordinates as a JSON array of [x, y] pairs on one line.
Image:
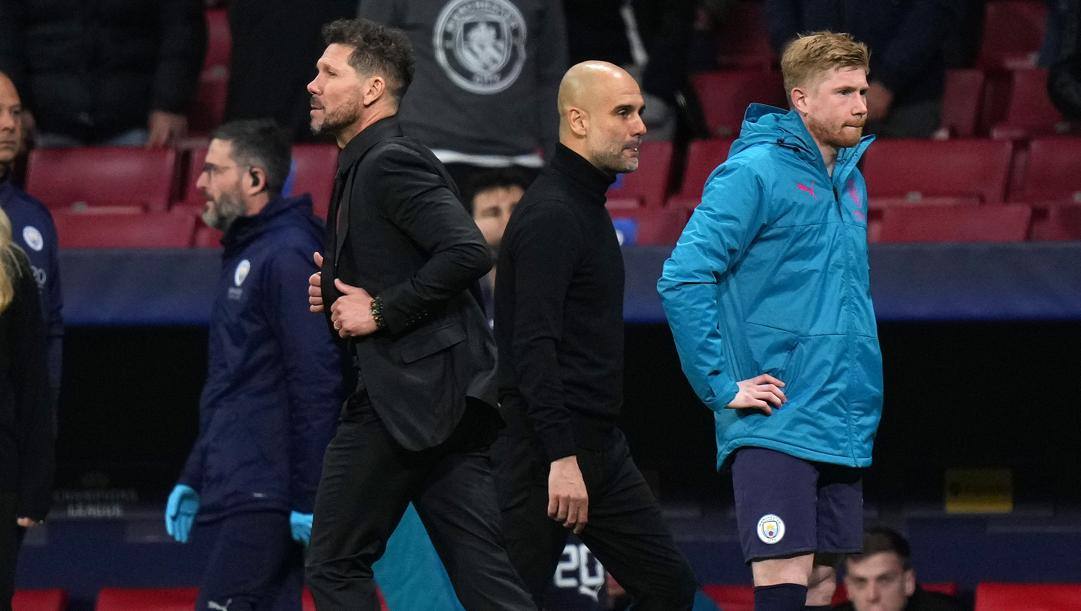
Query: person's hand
[[165, 128], [180, 512], [315, 286], [352, 312], [568, 501], [27, 522], [300, 525], [879, 100], [759, 393]]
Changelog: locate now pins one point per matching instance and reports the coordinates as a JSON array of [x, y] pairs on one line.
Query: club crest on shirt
[[33, 238], [241, 272], [480, 44], [770, 529]]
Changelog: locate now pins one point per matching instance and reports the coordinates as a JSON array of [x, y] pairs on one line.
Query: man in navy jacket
[[32, 228], [270, 403]]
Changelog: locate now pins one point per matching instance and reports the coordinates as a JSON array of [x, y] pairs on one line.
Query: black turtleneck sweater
[[559, 309]]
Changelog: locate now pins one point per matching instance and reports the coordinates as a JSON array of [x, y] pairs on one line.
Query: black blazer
[[397, 229]]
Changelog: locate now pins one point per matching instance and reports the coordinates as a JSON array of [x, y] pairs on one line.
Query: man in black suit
[[401, 257]]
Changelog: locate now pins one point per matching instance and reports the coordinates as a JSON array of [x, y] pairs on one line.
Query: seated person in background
[[492, 196], [882, 578], [119, 73]]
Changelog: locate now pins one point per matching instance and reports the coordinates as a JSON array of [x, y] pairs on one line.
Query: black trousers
[[368, 479], [10, 535], [625, 530], [254, 564]]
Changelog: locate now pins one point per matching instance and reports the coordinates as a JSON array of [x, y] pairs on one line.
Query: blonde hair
[[809, 56], [9, 265]]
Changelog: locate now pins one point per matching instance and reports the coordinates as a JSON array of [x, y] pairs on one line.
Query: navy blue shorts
[[787, 506]]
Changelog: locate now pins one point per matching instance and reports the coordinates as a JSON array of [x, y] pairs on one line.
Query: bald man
[[562, 464]]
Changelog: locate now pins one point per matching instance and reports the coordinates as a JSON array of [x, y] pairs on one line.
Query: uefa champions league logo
[[480, 44]]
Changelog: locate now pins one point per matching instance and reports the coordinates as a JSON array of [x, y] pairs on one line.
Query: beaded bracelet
[[376, 309]]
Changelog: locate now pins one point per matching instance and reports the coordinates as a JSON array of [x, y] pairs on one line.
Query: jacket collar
[[246, 229], [388, 127]]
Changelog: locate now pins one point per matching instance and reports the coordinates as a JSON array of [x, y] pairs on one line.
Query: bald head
[[10, 123], [600, 107]]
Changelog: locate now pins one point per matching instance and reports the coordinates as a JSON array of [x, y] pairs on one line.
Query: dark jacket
[[26, 423], [273, 388], [559, 314], [1064, 73], [905, 37], [91, 69], [409, 242], [33, 230]]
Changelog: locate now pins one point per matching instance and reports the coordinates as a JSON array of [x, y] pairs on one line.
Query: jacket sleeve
[[544, 252], [416, 199], [54, 319], [181, 48], [552, 59], [713, 242], [918, 40], [312, 366], [34, 434]]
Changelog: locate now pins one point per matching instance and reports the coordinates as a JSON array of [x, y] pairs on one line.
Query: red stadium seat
[[125, 176], [997, 223], [725, 96], [649, 227], [1027, 596], [1012, 33], [730, 597], [208, 109], [150, 230], [1056, 222], [961, 102], [1029, 109], [1051, 172], [146, 599], [951, 168], [742, 39], [315, 167], [703, 156], [649, 184], [207, 237], [190, 195], [219, 40], [53, 599]]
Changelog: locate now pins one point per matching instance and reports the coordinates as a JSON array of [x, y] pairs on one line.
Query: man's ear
[[256, 180], [578, 121], [798, 98], [910, 582], [375, 87]]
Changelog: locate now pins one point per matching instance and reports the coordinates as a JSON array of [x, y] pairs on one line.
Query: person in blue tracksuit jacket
[[274, 380], [32, 229], [768, 296]]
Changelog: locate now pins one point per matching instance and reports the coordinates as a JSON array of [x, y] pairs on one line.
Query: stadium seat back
[[742, 39], [219, 40], [650, 182], [106, 176], [1027, 597], [192, 169], [1013, 31], [703, 156], [208, 108], [1029, 109], [724, 96], [1052, 171], [52, 599], [952, 168], [962, 101], [997, 223], [146, 599], [649, 227], [315, 167], [150, 230]]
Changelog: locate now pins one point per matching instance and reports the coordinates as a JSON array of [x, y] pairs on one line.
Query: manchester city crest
[[480, 44]]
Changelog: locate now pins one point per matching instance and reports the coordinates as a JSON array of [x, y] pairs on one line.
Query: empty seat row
[[153, 179]]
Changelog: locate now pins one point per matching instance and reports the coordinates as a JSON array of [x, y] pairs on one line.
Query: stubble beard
[[221, 214], [335, 122]]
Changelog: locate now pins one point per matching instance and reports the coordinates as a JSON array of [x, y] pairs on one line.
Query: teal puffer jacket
[[771, 275]]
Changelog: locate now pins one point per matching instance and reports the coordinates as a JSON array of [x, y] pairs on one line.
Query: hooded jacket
[[771, 275], [273, 388]]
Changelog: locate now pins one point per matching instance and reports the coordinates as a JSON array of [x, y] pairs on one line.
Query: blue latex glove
[[300, 525], [180, 512]]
